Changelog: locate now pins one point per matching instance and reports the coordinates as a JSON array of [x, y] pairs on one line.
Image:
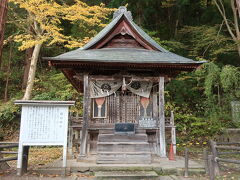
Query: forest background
[[201, 100]]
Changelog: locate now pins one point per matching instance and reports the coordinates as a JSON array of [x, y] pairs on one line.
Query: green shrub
[[9, 119]]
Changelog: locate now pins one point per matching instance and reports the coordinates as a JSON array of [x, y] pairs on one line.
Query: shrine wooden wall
[[123, 108]]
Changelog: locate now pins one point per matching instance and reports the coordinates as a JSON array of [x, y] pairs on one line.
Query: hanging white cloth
[[141, 88], [103, 88], [106, 88]]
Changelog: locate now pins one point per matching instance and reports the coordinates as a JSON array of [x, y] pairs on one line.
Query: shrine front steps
[[123, 148], [122, 138], [124, 158], [112, 131], [126, 175]]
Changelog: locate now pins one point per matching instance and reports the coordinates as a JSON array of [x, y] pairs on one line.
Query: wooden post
[[25, 159], [86, 116], [70, 138], [162, 118], [205, 158], [173, 133], [211, 168], [186, 163], [155, 116], [20, 159], [215, 154], [64, 159]]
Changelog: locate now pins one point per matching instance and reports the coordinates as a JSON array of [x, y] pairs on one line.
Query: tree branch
[[222, 12]]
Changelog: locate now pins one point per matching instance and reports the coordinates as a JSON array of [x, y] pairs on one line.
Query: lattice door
[[123, 108]]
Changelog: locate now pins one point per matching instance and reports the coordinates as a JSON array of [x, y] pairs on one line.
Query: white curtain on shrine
[[141, 88], [106, 88], [103, 88]]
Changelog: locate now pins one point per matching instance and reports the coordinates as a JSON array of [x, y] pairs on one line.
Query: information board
[[43, 123], [235, 110]]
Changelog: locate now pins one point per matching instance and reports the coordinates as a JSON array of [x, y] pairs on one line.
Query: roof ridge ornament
[[122, 10]]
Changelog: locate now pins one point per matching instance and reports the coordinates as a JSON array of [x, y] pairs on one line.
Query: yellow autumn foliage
[[44, 19]]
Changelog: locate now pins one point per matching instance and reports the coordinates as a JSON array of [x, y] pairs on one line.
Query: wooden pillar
[[162, 140], [173, 133], [155, 116], [86, 116]]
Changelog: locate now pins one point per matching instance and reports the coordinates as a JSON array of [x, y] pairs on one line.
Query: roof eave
[[72, 63]]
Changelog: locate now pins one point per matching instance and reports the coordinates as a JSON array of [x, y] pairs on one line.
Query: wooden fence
[[5, 149], [218, 149]]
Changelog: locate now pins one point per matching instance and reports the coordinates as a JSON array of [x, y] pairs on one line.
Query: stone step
[[121, 152], [123, 142], [123, 146], [122, 138], [143, 158], [126, 175], [112, 131]]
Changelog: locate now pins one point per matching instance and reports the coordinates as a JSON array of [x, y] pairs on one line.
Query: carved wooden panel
[[123, 41], [123, 27]]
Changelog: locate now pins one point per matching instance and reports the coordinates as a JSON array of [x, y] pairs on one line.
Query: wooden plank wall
[[121, 108]]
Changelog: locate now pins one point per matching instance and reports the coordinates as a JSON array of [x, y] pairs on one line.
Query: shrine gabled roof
[[89, 52], [124, 55], [111, 25]]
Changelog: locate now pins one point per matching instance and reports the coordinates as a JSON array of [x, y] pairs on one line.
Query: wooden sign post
[[43, 123]]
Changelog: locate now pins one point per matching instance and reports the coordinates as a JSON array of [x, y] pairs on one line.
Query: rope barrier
[[191, 144]]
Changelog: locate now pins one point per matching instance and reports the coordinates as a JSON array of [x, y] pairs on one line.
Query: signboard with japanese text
[[43, 123]]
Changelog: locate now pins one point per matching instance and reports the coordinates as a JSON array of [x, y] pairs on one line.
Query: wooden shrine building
[[121, 73]]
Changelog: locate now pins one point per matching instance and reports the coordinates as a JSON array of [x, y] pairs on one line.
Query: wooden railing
[[4, 150], [216, 152]]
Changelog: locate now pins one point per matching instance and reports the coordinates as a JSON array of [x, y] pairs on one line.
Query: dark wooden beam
[[70, 75], [119, 77]]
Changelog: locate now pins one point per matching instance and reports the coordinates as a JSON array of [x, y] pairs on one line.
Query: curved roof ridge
[[109, 27], [146, 36], [102, 33]]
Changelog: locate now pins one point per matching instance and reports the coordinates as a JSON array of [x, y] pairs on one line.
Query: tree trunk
[[3, 14], [8, 75], [32, 71], [232, 28], [238, 48], [238, 7], [27, 62]]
